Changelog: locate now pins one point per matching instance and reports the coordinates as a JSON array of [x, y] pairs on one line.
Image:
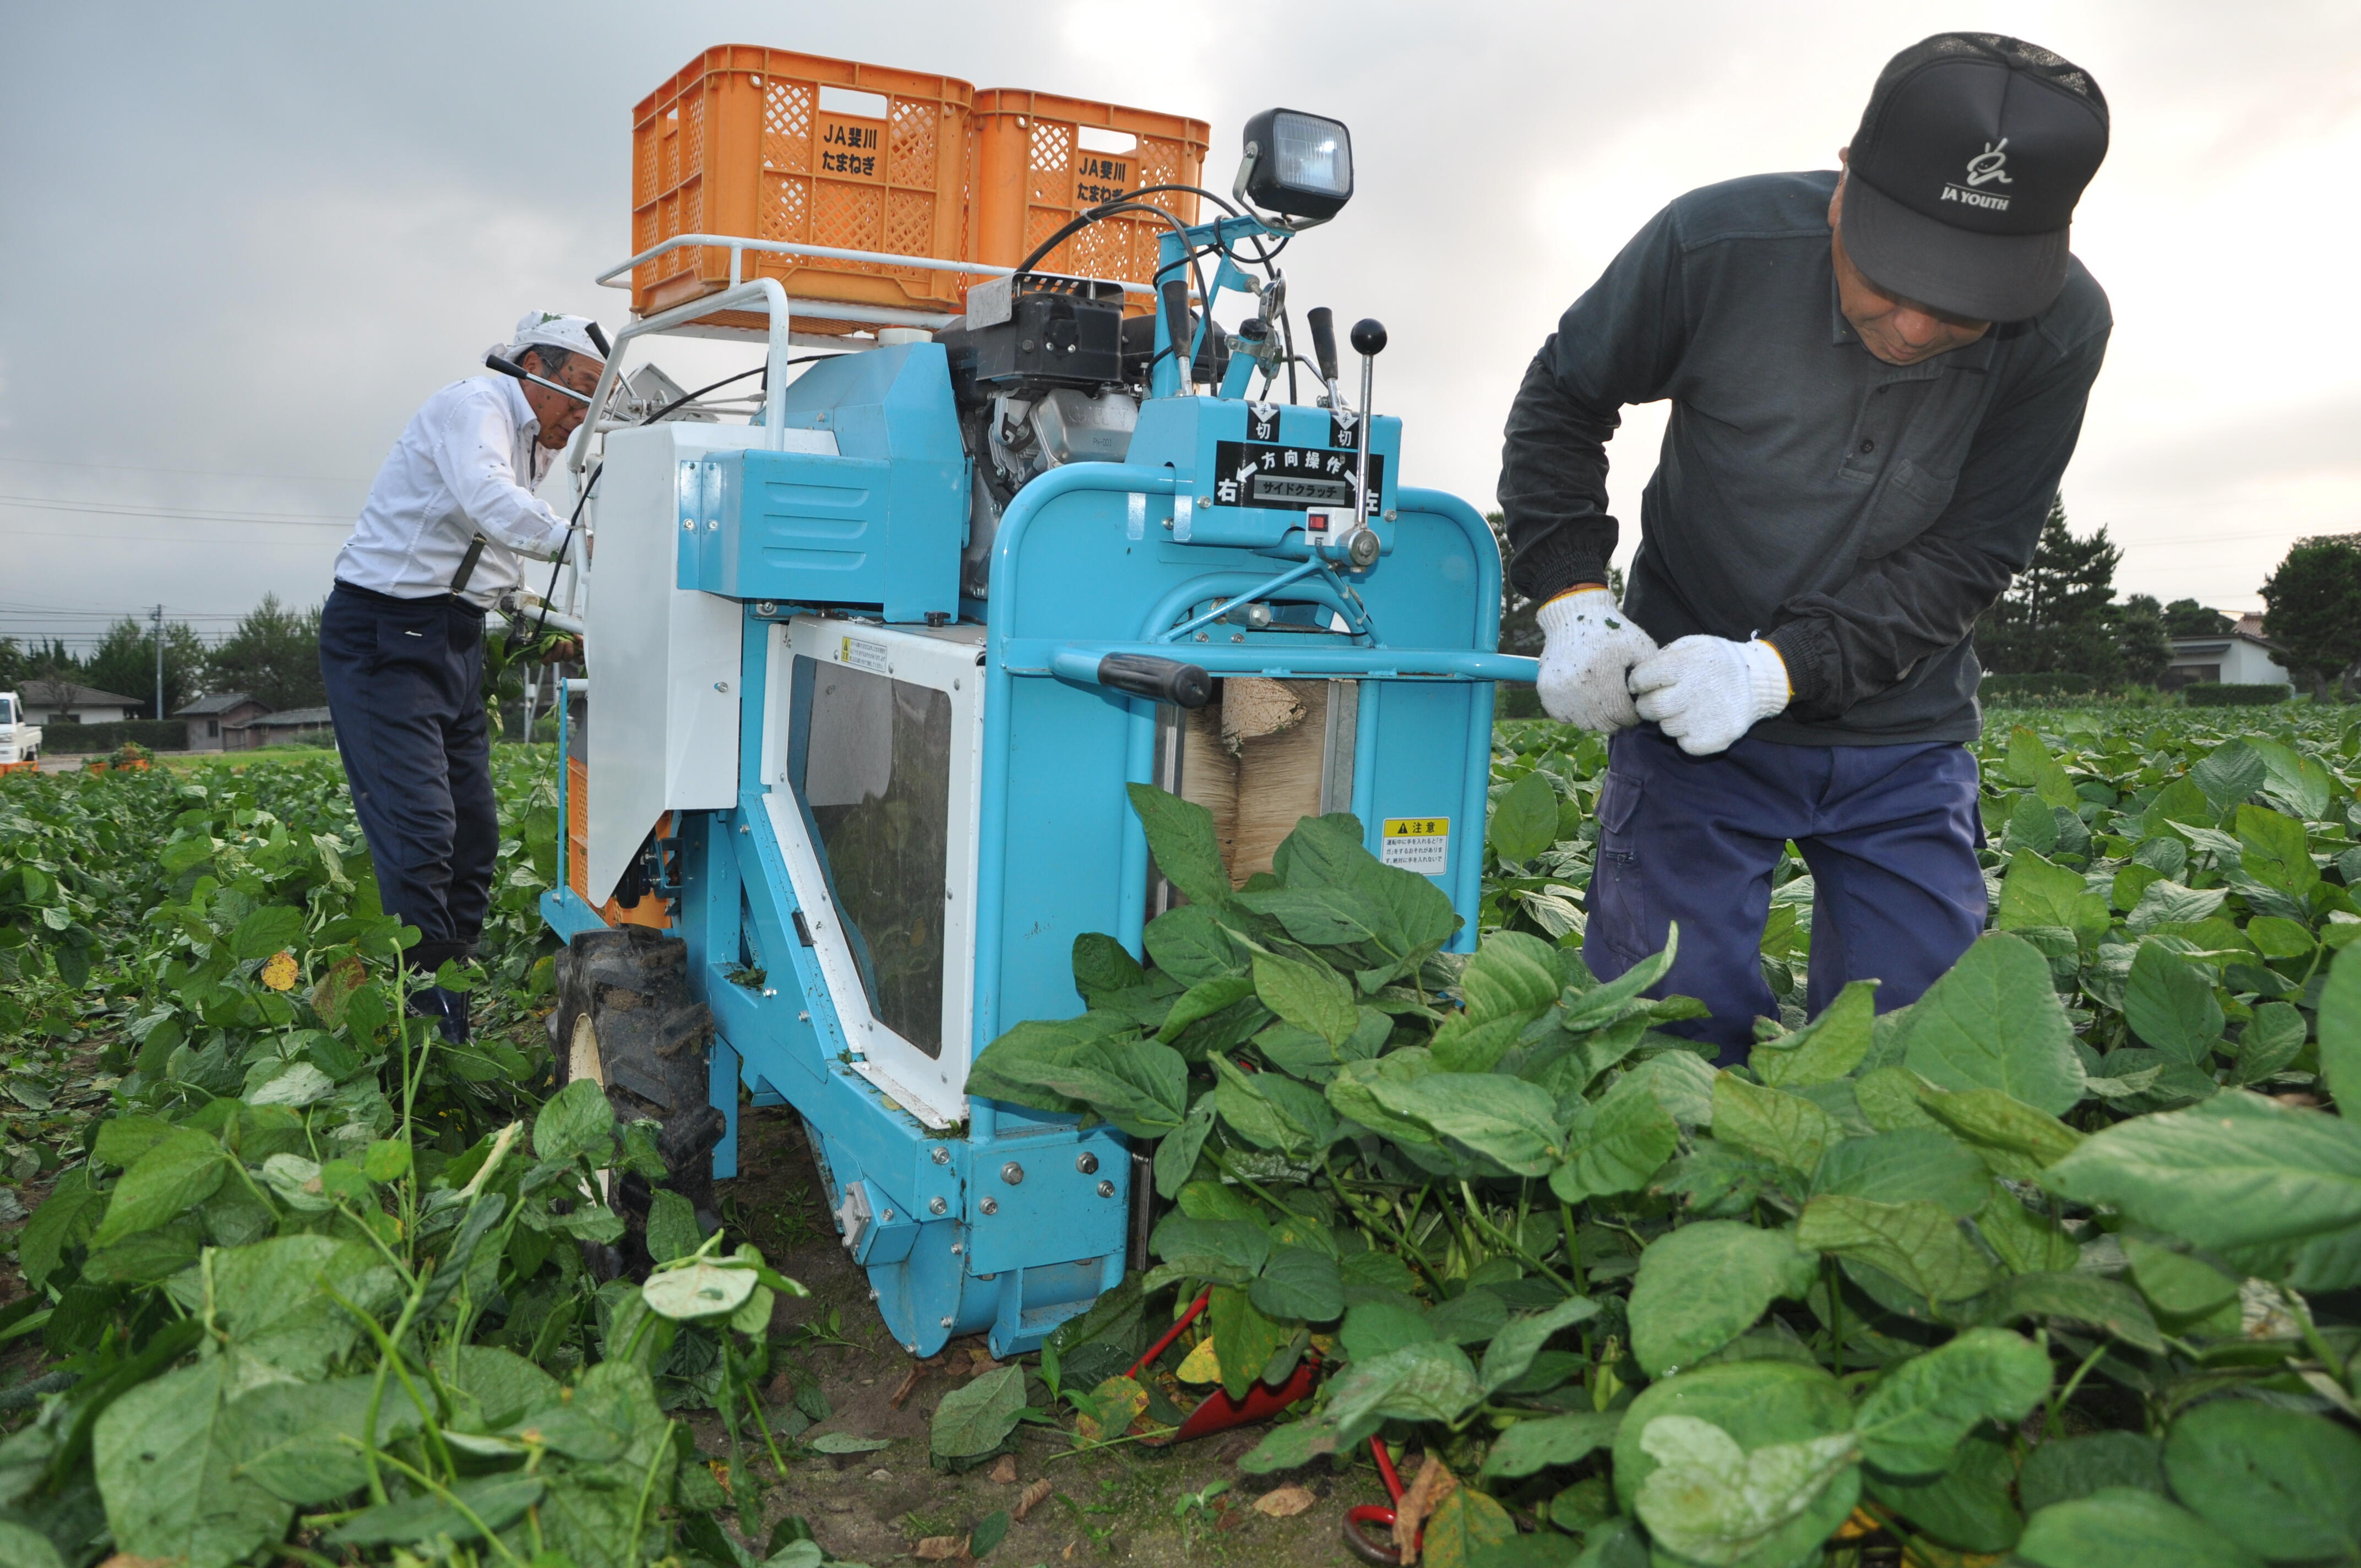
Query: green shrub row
[[85, 740]]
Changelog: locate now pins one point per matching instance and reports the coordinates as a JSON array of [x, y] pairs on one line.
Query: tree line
[[273, 655]]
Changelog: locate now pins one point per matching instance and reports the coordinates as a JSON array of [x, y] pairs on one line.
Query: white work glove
[[1591, 646], [1705, 692]]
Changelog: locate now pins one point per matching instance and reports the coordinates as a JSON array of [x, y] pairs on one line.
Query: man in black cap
[[1877, 377]]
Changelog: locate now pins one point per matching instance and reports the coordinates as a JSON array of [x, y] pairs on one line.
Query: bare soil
[[1126, 1503]]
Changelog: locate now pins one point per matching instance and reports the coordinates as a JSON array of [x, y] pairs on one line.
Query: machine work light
[[1298, 165]]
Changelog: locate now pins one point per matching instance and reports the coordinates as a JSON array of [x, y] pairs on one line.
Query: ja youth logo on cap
[[1983, 168]]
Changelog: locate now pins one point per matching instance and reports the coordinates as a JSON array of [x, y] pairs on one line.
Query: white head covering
[[548, 329]]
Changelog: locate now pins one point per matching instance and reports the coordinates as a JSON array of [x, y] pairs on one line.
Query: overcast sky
[[242, 242]]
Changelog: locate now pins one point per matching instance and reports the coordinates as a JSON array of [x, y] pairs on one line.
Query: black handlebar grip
[[1165, 680], [598, 339], [1323, 322], [492, 361], [1176, 318], [1369, 336]]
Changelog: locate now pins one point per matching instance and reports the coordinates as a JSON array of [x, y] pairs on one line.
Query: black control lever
[[1176, 327], [598, 339], [1368, 342], [1163, 680], [1323, 322]]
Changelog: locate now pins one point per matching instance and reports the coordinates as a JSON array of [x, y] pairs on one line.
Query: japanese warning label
[[1420, 844], [862, 654], [1255, 473]]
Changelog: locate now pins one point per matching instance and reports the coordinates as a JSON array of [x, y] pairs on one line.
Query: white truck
[[20, 738]]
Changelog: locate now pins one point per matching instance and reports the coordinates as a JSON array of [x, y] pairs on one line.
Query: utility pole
[[159, 662]]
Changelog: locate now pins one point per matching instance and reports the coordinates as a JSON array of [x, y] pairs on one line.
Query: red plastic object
[[1377, 1553], [1218, 1411]]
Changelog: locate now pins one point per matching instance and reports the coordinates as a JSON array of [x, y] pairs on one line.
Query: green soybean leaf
[[1913, 1422], [1102, 968], [1785, 1129], [1615, 1143], [1286, 1447], [1142, 1087], [2093, 1299], [2282, 1483], [498, 1501], [672, 1231], [166, 1467], [1994, 1022], [574, 1122], [1227, 1252], [2012, 1137], [1204, 1000], [1466, 1529], [2063, 1469], [1531, 1446], [1824, 1049], [1506, 1119], [1176, 1155], [2238, 1170], [273, 1298], [1903, 1165], [1310, 996], [1245, 1338], [183, 1167], [1428, 1381], [2171, 1006], [1917, 1243], [266, 931], [1301, 1283], [2340, 1031], [1588, 1008], [1377, 1328], [2175, 1283], [2117, 1526], [1512, 1349], [65, 1219], [1701, 1285], [1710, 1500], [1180, 837], [2038, 892], [1272, 1110], [977, 1417], [1524, 819]]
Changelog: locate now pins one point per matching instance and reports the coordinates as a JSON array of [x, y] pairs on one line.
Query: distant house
[[276, 728], [2242, 656], [64, 702], [210, 716]]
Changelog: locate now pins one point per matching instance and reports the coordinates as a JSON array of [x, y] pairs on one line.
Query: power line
[[304, 519], [224, 473]]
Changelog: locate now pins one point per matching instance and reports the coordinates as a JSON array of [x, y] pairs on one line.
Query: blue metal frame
[[1018, 1220]]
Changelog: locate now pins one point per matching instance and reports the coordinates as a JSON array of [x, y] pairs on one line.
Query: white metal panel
[[664, 660], [943, 659]]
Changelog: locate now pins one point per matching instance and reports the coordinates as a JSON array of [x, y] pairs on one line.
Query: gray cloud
[[248, 239]]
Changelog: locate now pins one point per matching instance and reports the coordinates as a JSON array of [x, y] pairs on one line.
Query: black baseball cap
[[1964, 173]]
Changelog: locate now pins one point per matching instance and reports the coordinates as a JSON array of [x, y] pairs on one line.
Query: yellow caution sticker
[[1420, 844]]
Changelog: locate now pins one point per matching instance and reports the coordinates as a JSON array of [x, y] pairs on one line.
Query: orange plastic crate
[[1034, 172], [764, 144]]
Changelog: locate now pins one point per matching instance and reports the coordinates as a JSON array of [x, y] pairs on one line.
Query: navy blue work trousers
[[405, 683], [1889, 832]]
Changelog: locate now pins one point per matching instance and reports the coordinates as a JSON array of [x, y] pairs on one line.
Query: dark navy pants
[[405, 685], [1890, 834]]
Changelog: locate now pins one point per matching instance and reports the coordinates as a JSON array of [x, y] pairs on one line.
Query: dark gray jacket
[[1859, 515]]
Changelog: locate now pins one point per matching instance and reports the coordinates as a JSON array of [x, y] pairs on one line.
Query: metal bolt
[[990, 1205], [873, 1292], [766, 608], [987, 1277], [1012, 1173], [1106, 1188], [688, 525], [947, 1322], [958, 1248], [886, 1216], [721, 686], [943, 1156], [1087, 1163], [802, 1018], [938, 1206], [771, 991]]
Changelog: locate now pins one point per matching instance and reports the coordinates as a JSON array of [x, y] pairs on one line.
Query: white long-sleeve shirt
[[465, 463]]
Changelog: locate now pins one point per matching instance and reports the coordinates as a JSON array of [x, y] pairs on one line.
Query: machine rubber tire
[[627, 1020]]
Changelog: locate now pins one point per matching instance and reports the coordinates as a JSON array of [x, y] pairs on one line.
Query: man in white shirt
[[402, 638]]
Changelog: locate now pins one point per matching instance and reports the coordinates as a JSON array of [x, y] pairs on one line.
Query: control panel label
[[862, 654], [1261, 474], [1420, 844]]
